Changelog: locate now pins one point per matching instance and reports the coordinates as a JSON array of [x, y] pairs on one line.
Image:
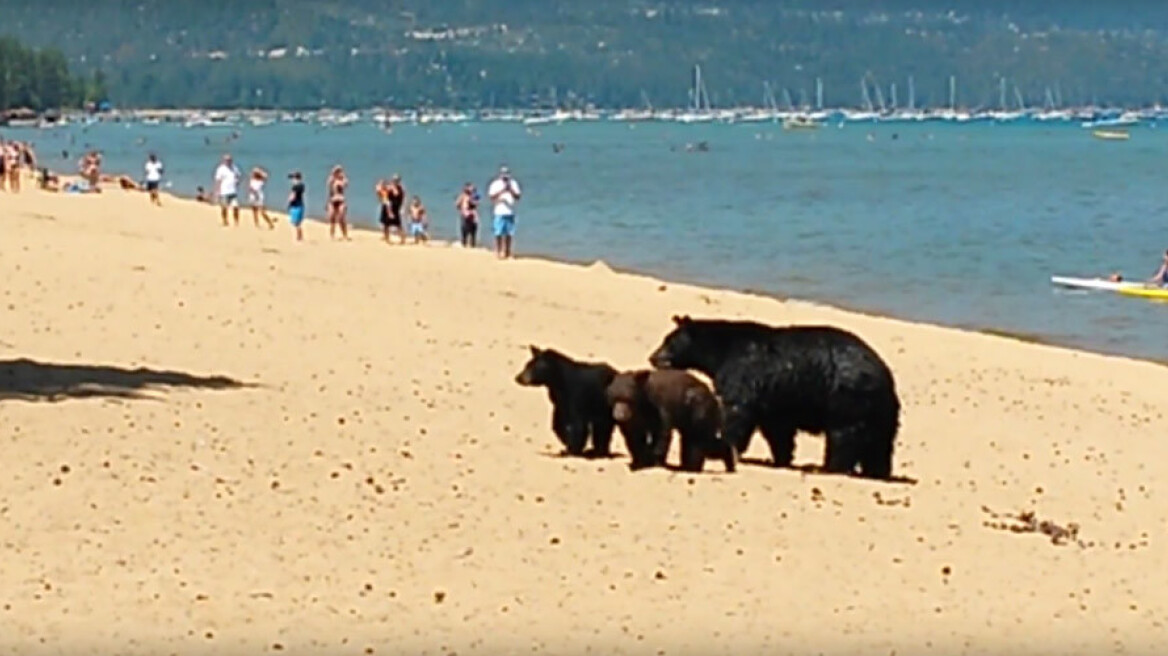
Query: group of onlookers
[[503, 192]]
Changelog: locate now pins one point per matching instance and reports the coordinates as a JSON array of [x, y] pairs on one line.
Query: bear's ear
[[681, 320], [534, 350]]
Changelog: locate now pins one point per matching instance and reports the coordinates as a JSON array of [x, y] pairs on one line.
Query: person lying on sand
[[49, 180]]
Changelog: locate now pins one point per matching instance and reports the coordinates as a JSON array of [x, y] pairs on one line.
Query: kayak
[[1145, 292], [1095, 283]]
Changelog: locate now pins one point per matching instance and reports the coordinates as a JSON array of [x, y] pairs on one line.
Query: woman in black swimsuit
[[336, 207]]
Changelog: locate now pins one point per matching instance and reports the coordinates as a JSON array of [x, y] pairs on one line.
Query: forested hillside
[[470, 53]]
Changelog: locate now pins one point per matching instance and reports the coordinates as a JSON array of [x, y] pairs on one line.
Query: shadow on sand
[[28, 380]]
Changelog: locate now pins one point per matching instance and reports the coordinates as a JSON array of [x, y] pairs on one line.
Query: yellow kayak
[[1145, 292]]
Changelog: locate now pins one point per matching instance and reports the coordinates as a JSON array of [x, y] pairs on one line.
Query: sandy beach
[[220, 441]]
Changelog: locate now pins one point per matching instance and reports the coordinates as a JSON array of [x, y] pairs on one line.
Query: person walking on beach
[[504, 193], [227, 188], [255, 197], [154, 170], [468, 213], [296, 204], [418, 221], [335, 205]]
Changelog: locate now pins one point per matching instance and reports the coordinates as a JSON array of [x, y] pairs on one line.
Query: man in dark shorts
[[393, 197], [468, 211]]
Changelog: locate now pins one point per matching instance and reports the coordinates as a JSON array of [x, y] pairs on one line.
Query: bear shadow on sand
[[29, 380], [819, 470]]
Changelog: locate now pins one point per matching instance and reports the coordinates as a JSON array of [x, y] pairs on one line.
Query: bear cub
[[577, 391], [649, 405]]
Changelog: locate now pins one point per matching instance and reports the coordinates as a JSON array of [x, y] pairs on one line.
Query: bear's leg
[[738, 425], [661, 436], [560, 425], [876, 456], [602, 437], [780, 436], [637, 443], [714, 447], [844, 447], [693, 457], [575, 435]]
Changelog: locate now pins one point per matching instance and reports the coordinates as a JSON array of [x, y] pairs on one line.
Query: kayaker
[[1160, 279]]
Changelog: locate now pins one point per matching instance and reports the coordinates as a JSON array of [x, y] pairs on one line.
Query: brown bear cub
[[649, 405]]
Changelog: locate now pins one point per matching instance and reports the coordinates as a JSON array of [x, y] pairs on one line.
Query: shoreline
[[1036, 339], [240, 443]]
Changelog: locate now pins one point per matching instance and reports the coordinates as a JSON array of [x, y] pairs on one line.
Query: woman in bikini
[[336, 207], [255, 197], [12, 157]]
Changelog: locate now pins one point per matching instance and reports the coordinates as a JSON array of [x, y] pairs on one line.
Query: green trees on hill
[[40, 79], [481, 53]]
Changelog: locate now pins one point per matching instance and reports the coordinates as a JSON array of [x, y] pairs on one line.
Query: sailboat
[[769, 110], [699, 110]]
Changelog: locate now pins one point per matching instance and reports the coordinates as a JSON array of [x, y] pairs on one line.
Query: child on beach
[[418, 221], [255, 197], [296, 204]]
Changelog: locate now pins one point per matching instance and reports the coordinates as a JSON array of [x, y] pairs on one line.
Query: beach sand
[[376, 482]]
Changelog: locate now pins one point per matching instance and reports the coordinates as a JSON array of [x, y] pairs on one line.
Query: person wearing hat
[[504, 193], [296, 204]]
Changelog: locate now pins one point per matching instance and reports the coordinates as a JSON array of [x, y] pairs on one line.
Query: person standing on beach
[[227, 188], [255, 197], [9, 166], [468, 213], [504, 192], [154, 171], [395, 196], [418, 221], [385, 213], [296, 204], [335, 205]]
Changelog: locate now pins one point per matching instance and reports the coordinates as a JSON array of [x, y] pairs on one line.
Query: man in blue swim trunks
[[296, 204], [504, 193]]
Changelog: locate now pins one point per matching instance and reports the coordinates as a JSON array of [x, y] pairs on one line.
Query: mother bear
[[818, 379]]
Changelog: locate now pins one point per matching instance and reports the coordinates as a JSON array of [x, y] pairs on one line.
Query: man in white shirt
[[153, 177], [504, 193], [227, 188]]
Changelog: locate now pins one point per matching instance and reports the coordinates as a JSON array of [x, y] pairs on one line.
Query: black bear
[[577, 391], [649, 405], [818, 379]]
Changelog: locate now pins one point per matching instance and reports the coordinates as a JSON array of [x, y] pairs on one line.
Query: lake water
[[954, 224]]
